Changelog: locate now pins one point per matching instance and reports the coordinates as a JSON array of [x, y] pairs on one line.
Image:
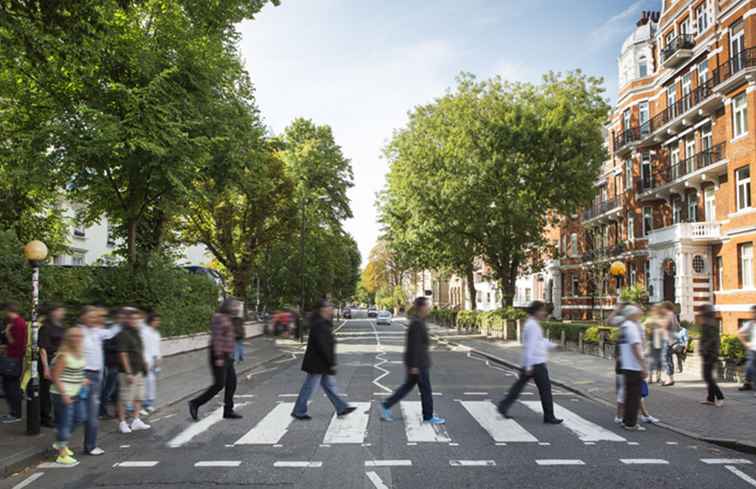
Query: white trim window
[[710, 205], [671, 100], [746, 265], [642, 67], [693, 207], [643, 117], [575, 285], [630, 226], [676, 211], [739, 115], [720, 273], [647, 273], [648, 220], [628, 174], [573, 244], [743, 187], [633, 275], [702, 17], [703, 72], [674, 159], [626, 119]]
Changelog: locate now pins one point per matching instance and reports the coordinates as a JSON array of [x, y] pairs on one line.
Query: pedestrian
[[417, 361], [11, 363], [534, 358], [221, 354], [656, 326], [132, 372], [239, 337], [150, 332], [615, 320], [709, 350], [49, 338], [632, 365], [672, 328], [92, 320], [747, 335], [109, 390], [320, 364], [680, 346], [68, 390]]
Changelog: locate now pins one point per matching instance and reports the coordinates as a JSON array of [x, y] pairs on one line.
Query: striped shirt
[[72, 377], [222, 332]]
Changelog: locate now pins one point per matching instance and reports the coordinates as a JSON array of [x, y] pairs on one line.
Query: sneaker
[[746, 387], [66, 451], [66, 460], [151, 409], [708, 403], [139, 425], [649, 419], [123, 427], [193, 411], [232, 415], [617, 420], [347, 410], [11, 420], [435, 420], [637, 427], [719, 402], [301, 417], [386, 414], [144, 412], [95, 452]]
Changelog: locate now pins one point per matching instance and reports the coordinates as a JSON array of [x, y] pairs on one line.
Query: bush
[[571, 330], [731, 348], [635, 294], [444, 317], [467, 319], [593, 334]]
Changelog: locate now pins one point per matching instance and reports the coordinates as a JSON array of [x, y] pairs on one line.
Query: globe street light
[[35, 252]]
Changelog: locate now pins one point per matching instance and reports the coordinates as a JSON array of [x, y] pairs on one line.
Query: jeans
[[632, 396], [109, 391], [239, 351], [224, 377], [45, 402], [750, 366], [150, 388], [13, 395], [657, 361], [91, 410], [541, 376], [669, 360], [422, 380], [329, 387], [66, 417], [714, 393]]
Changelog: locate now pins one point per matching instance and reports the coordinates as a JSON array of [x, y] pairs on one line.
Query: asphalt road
[[476, 449]]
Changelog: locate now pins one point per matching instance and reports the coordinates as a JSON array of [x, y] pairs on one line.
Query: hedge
[[730, 347]]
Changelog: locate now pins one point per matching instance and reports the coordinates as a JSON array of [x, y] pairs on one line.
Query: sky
[[361, 65]]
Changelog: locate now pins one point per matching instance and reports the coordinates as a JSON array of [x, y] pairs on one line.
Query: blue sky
[[360, 65]]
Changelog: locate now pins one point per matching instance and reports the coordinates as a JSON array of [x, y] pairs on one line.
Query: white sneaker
[[144, 412], [96, 451], [139, 425], [648, 419], [151, 409], [123, 427], [618, 420]]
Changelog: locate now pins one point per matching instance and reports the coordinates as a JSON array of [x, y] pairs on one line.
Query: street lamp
[[35, 252]]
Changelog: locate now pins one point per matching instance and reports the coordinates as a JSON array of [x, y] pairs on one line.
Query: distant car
[[347, 314], [372, 313], [383, 317]]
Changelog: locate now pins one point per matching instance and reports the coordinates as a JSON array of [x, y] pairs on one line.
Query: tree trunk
[[240, 284], [508, 288], [131, 242], [470, 279]]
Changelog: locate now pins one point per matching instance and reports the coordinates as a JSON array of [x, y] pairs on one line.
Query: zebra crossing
[[272, 429]]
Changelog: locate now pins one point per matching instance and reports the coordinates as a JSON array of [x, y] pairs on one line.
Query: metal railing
[[740, 61], [681, 41], [670, 173], [601, 207], [626, 137]]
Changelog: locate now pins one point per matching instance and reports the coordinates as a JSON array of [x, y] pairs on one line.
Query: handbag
[[10, 367]]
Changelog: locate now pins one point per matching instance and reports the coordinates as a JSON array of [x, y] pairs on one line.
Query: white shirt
[[94, 357], [535, 347], [750, 327], [151, 343], [631, 332]]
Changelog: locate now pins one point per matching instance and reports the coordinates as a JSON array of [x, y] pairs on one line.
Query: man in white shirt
[[747, 335], [632, 365], [151, 339], [535, 356]]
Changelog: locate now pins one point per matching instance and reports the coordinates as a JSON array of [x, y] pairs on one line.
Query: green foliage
[[593, 333], [730, 347], [444, 317], [467, 319], [572, 330], [635, 294]]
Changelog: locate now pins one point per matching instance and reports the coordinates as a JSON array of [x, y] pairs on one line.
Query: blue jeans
[[92, 410], [422, 380], [109, 392], [67, 417], [329, 387], [239, 351], [750, 365]]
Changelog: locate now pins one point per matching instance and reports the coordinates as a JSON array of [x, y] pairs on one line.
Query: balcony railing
[[682, 41], [604, 253], [601, 207], [695, 231], [740, 61], [689, 165], [626, 137]]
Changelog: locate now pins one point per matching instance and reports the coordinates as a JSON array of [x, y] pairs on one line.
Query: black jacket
[[320, 356], [708, 345], [416, 350]]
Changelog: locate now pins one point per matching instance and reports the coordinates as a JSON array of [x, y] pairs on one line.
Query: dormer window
[[642, 67]]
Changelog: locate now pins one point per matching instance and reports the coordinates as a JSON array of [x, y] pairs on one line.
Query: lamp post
[[35, 252]]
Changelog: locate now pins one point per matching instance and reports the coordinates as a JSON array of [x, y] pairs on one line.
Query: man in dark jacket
[[320, 364], [417, 361]]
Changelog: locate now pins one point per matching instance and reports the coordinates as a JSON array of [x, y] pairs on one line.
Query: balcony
[[603, 210], [623, 141], [603, 254], [702, 166], [698, 232], [733, 72], [677, 50]]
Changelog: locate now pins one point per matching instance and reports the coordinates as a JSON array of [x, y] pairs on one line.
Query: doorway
[[669, 272]]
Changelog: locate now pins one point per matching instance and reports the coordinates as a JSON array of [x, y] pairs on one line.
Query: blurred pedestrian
[[320, 364], [239, 336], [747, 335], [150, 332], [672, 328], [109, 390], [221, 354], [49, 338], [68, 389], [132, 372], [632, 365], [656, 326], [680, 347], [709, 350], [11, 363]]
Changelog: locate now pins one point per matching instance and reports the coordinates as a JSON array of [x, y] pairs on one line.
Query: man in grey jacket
[[417, 361]]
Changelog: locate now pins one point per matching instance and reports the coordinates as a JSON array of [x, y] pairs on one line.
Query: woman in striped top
[[69, 386]]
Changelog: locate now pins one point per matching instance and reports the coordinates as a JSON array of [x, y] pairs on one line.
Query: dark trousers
[[713, 391], [13, 395], [422, 380], [224, 377], [109, 389], [45, 401], [541, 376], [632, 396]]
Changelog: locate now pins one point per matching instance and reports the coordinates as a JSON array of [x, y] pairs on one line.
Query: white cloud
[[616, 25]]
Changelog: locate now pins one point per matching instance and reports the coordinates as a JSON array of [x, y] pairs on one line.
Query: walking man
[[632, 365], [320, 364], [132, 372], [747, 335], [221, 362], [535, 356], [417, 361]]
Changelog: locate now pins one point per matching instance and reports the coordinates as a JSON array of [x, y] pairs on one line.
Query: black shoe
[[193, 411], [504, 413], [746, 387], [232, 415], [48, 423], [348, 410], [301, 417], [553, 421]]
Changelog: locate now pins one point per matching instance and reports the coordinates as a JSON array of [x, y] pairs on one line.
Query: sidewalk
[[676, 406], [181, 376]]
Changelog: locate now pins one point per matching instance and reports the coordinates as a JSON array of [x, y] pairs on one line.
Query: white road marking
[[559, 461], [644, 461], [305, 465], [380, 361], [416, 429], [745, 477], [633, 443], [672, 443], [388, 463], [411, 444], [199, 427], [501, 444], [725, 461], [271, 428], [258, 372], [472, 463], [137, 464], [28, 480], [376, 480], [244, 396], [544, 444], [584, 429], [475, 393], [500, 429], [125, 446], [589, 443], [54, 465], [218, 463], [288, 395]]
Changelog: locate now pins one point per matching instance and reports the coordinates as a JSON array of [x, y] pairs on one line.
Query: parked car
[[383, 317], [347, 314], [372, 312]]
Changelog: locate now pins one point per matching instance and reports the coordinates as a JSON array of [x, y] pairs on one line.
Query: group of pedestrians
[[82, 367]]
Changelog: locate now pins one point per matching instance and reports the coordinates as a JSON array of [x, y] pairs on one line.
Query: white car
[[384, 317]]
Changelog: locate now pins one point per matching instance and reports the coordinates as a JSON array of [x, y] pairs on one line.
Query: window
[[703, 72], [528, 295], [745, 258], [646, 169], [647, 274], [737, 46], [706, 137], [628, 174], [686, 87], [698, 264], [669, 38], [642, 67], [488, 297], [79, 231], [710, 205], [630, 227], [573, 244], [720, 273], [671, 99], [743, 187], [648, 220], [77, 260], [702, 16], [693, 207], [632, 274], [685, 27], [111, 236], [643, 118], [674, 159], [59, 260], [676, 211], [739, 115], [617, 185], [626, 119], [575, 285]]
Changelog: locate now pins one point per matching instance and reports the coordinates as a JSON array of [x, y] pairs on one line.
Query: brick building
[[674, 200]]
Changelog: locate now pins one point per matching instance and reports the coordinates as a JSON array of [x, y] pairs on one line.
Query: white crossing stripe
[[416, 429], [725, 461], [644, 461], [351, 428], [475, 393], [271, 428], [199, 427], [305, 465], [559, 461], [745, 477], [28, 480], [500, 429], [584, 429], [53, 465], [376, 480], [218, 463], [137, 464], [472, 463], [388, 463]]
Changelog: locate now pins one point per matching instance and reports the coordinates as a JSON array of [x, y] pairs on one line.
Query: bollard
[[580, 342], [564, 338]]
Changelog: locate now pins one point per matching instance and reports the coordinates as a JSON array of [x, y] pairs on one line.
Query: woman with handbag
[[11, 364]]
